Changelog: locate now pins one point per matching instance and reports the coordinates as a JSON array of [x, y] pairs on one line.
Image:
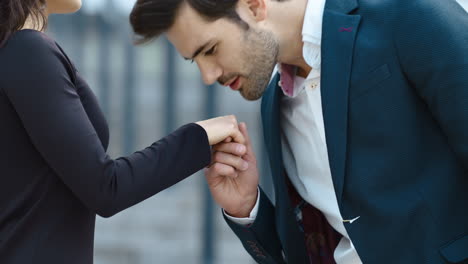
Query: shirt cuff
[[247, 221]]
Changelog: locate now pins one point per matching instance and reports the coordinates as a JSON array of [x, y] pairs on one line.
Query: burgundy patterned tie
[[320, 237]]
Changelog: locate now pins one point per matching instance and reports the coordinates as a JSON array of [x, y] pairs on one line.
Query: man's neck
[[303, 72], [289, 17]]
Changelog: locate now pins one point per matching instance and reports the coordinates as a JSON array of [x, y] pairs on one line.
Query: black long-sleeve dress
[[55, 175]]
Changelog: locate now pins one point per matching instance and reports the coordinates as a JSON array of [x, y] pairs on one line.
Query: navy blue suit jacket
[[395, 106]]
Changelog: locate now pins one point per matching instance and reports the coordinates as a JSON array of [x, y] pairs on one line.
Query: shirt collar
[[312, 38], [312, 27], [312, 33]]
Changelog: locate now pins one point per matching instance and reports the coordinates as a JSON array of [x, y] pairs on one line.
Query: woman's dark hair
[[151, 18], [14, 13]]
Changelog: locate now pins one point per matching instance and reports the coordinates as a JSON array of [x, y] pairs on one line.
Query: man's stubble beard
[[260, 57]]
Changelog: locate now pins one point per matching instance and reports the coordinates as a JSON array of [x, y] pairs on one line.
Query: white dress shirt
[[303, 141], [464, 4]]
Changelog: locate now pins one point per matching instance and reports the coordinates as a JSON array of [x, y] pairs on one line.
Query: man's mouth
[[234, 83]]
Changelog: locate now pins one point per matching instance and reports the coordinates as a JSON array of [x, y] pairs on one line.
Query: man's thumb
[[245, 133]]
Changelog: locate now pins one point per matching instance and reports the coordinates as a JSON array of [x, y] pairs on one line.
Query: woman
[[55, 175]]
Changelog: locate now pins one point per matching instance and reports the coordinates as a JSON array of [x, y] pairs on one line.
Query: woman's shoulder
[[33, 48], [34, 45], [28, 40]]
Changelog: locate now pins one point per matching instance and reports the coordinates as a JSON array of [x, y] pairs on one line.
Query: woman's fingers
[[222, 129], [237, 136], [235, 133]]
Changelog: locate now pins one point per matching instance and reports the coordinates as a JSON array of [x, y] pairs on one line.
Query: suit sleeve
[[434, 57], [261, 239], [41, 90]]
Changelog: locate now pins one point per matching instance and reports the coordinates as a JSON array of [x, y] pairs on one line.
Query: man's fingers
[[231, 148], [231, 160], [245, 133], [220, 169]]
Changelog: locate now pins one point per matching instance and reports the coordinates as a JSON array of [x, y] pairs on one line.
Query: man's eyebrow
[[200, 49]]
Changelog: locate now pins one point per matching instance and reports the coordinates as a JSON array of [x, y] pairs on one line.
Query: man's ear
[[257, 9]]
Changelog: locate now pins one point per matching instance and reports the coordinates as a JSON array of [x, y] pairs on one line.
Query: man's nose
[[210, 72]]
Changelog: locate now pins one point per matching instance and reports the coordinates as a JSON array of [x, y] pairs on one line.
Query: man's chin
[[250, 96]]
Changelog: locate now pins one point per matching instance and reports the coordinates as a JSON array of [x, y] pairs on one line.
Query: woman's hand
[[222, 128]]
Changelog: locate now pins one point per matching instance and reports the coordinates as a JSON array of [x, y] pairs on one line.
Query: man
[[366, 123]]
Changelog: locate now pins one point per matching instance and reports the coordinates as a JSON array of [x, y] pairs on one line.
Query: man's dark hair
[[151, 18], [14, 13]]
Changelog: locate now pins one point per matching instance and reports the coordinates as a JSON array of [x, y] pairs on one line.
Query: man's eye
[[211, 51]]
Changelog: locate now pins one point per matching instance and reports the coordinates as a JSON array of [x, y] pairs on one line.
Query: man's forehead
[[189, 30], [187, 41]]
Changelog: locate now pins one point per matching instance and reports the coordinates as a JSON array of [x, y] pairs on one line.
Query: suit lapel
[[289, 233], [338, 37], [271, 127]]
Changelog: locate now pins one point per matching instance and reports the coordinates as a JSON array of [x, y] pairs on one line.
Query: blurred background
[[146, 92]]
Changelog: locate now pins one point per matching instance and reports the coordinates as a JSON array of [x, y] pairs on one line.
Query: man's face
[[224, 51]]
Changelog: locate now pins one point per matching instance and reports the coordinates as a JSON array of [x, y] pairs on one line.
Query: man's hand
[[233, 176]]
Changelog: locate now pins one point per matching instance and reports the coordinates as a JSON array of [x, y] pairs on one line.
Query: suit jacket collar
[[338, 36], [341, 6]]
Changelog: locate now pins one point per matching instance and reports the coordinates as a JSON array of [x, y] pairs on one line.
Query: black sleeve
[[434, 57], [40, 88]]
